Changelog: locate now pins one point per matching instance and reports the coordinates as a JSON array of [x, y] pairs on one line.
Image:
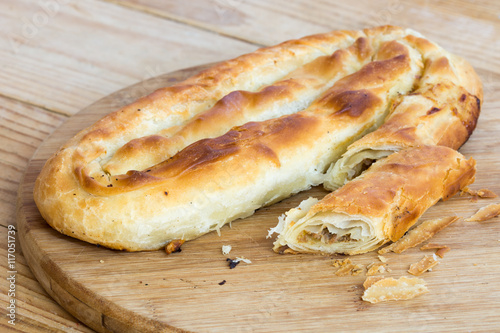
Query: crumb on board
[[226, 249], [371, 280], [346, 267], [234, 262], [376, 268], [341, 262], [475, 194], [390, 289], [174, 246], [382, 258], [425, 264], [222, 282], [101, 261], [485, 213], [441, 250], [245, 260], [419, 234]]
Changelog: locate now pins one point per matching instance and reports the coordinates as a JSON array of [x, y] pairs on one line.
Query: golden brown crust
[[248, 132], [419, 234], [404, 185], [442, 110], [380, 205]]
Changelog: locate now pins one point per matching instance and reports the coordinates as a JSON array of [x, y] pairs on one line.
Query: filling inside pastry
[[351, 166], [325, 232]]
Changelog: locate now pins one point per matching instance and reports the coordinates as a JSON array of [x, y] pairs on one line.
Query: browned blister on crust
[[246, 133], [442, 110], [419, 234]]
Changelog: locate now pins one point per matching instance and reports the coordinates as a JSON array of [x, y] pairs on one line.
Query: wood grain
[[89, 49], [270, 22], [150, 291], [23, 129], [93, 48]]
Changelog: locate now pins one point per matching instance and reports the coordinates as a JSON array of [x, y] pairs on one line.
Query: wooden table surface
[[58, 56]]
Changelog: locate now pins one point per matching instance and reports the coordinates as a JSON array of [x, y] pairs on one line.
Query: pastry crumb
[[441, 250], [485, 213], [390, 289], [341, 262], [174, 246], [226, 249], [475, 194], [376, 268], [346, 267], [245, 260], [382, 258], [370, 280], [419, 234], [425, 264]]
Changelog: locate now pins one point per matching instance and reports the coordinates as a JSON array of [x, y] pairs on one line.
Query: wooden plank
[[64, 55], [66, 71], [270, 22], [152, 291], [36, 311], [22, 128]]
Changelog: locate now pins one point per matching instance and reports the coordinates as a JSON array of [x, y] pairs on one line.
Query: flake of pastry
[[382, 258], [485, 213], [390, 289], [441, 250], [174, 246], [226, 249], [419, 234], [475, 194], [376, 268], [425, 264]]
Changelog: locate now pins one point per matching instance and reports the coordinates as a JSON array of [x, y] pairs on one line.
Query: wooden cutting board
[[195, 290]]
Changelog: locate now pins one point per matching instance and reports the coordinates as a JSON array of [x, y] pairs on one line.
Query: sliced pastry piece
[[377, 207]]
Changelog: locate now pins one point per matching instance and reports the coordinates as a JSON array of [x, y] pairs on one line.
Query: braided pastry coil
[[248, 132]]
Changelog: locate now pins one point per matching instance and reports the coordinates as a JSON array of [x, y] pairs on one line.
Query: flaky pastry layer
[[377, 207]]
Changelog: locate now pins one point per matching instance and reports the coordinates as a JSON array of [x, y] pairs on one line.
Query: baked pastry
[[378, 206], [245, 133], [442, 110]]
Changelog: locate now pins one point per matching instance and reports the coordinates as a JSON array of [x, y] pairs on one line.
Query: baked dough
[[248, 132], [442, 110], [378, 206]]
